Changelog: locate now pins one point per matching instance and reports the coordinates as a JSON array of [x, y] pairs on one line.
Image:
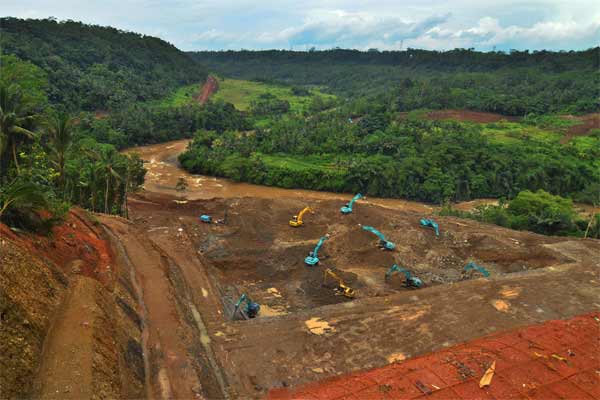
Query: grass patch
[[515, 132], [180, 97], [242, 93], [299, 163]]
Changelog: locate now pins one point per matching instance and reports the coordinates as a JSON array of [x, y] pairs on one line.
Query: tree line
[[514, 83], [383, 155]]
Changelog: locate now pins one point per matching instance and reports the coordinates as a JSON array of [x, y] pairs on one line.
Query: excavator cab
[[296, 220]]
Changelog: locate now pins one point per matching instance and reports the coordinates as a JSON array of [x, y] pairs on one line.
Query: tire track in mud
[[178, 356]]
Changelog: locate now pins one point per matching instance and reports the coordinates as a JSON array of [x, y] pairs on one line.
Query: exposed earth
[[174, 336], [208, 89]]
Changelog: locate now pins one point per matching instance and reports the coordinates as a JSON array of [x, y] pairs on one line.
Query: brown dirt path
[[66, 370], [173, 372]]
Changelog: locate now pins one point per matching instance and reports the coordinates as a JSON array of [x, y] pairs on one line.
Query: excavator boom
[[385, 243], [347, 209], [346, 290], [313, 257]]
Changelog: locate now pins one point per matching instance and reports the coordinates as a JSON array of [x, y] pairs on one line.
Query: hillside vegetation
[[517, 83], [91, 67]]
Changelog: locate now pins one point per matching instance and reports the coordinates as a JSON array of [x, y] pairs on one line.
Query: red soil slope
[[210, 86], [554, 360]]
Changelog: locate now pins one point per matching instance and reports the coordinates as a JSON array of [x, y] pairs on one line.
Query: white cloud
[[433, 24]]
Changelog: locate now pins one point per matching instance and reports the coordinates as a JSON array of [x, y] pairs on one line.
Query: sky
[[360, 24]]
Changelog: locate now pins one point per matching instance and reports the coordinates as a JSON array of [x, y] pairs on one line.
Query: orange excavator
[[296, 220]]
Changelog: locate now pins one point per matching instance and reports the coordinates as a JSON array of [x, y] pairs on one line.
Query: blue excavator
[[313, 256], [347, 209], [411, 281], [250, 310], [429, 223], [472, 268], [383, 243]]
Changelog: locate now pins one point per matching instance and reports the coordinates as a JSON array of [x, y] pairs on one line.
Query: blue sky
[[361, 24]]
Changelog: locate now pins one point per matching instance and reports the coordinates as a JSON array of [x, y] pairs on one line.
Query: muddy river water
[[164, 171]]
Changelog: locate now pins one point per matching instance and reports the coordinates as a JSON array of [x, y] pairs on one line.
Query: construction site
[[273, 318], [231, 290]]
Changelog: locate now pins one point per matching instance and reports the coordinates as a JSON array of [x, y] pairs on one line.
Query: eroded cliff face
[[70, 325]]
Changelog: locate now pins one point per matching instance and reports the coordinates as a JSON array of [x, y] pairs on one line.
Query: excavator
[[342, 288], [347, 209], [313, 256], [411, 281], [384, 244], [297, 219], [471, 267], [429, 223], [249, 311]]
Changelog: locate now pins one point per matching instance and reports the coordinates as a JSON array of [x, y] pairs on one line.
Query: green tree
[[15, 120], [61, 137]]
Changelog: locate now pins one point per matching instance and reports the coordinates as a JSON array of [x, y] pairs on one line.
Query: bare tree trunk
[[589, 225], [106, 194], [125, 195], [14, 153]]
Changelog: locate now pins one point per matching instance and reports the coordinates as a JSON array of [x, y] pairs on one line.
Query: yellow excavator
[[297, 219], [347, 291]]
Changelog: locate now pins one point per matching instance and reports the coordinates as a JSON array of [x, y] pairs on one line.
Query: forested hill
[[514, 83], [91, 67]]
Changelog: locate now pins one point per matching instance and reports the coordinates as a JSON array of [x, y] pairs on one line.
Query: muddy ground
[[306, 330], [143, 307]]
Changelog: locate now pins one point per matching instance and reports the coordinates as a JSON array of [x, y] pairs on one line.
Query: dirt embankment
[[210, 86], [69, 323]]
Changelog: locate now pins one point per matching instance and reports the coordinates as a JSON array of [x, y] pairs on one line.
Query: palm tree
[[13, 118], [61, 135], [24, 195]]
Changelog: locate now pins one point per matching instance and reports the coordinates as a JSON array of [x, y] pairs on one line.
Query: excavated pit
[[256, 251]]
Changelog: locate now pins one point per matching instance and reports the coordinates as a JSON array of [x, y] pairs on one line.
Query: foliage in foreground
[[48, 161]]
